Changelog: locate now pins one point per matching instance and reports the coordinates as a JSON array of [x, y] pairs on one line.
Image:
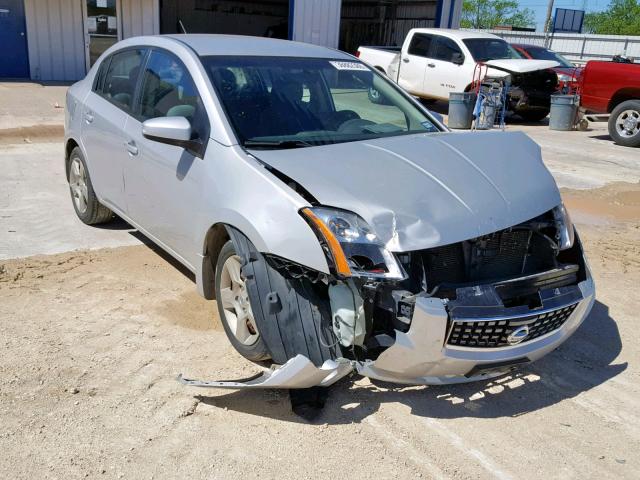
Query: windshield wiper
[[277, 143]]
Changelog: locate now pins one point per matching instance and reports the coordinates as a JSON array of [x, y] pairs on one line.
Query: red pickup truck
[[613, 88]]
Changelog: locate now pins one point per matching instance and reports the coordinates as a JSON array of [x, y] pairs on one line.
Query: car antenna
[[184, 30]]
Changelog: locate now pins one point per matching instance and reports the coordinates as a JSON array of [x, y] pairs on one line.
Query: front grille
[[494, 333]]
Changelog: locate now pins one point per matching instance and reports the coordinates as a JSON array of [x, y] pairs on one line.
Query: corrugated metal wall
[[55, 36], [140, 17], [317, 21]]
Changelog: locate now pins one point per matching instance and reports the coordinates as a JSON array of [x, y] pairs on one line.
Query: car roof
[[238, 45], [459, 34]]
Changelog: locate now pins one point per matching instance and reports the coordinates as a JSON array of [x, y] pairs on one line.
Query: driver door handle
[[431, 65], [405, 60], [131, 147], [88, 117]]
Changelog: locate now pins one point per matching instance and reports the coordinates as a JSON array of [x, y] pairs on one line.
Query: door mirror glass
[[457, 58], [172, 131]]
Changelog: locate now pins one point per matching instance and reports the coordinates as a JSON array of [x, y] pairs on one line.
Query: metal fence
[[578, 47]]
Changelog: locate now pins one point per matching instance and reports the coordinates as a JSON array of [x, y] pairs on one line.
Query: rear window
[[539, 53], [420, 45]]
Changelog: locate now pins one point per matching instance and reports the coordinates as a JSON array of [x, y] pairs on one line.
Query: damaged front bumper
[[424, 356]]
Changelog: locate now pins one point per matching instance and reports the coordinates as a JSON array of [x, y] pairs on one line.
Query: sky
[[540, 7]]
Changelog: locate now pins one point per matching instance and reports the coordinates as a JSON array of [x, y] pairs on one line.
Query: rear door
[[443, 75], [164, 182], [105, 111], [14, 59], [414, 64]]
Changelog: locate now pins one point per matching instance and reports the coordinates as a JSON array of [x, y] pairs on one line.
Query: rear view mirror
[[172, 131], [457, 58]]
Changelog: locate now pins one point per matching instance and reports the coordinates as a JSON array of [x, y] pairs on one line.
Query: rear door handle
[[88, 117], [405, 60], [131, 147], [431, 65]]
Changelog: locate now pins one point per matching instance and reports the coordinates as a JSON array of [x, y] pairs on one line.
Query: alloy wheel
[[235, 302]]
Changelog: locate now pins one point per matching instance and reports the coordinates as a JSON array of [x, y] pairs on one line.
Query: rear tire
[[84, 199], [234, 308], [624, 124]]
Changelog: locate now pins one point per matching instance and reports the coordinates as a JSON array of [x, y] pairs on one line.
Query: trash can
[[564, 112], [461, 109]]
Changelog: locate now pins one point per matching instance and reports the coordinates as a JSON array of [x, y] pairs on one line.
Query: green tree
[[622, 17], [490, 13]]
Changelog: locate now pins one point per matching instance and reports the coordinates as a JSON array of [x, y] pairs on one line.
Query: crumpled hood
[[425, 190], [521, 65]]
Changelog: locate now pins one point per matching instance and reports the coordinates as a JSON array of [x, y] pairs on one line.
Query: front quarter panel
[[240, 192]]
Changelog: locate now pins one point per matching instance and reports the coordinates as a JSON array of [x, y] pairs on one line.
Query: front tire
[[85, 201], [234, 307], [624, 124]]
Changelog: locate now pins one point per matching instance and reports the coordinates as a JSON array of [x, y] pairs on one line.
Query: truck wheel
[[84, 199], [234, 307], [624, 124], [534, 115], [292, 313]]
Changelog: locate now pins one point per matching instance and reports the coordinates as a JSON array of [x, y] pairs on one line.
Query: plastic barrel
[[461, 109], [564, 110]]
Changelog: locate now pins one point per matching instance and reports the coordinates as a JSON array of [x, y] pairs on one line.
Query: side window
[[120, 80], [420, 45], [445, 49], [169, 91], [97, 81], [167, 88]]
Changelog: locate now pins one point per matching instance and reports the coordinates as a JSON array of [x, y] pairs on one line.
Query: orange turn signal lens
[[339, 258]]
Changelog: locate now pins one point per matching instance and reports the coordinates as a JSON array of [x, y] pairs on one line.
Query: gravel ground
[[91, 342]]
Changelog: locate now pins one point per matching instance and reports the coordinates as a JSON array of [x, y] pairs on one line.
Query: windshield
[[484, 49], [276, 102], [539, 53]]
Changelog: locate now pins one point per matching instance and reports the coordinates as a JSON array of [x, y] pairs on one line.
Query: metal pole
[[547, 23]]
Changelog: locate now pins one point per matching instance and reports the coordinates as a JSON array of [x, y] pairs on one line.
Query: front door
[[102, 22], [443, 74], [163, 183], [414, 63], [14, 57]]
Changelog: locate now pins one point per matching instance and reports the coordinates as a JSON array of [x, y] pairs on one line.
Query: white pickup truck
[[433, 62]]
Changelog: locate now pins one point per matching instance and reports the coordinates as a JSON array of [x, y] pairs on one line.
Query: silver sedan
[[338, 223]]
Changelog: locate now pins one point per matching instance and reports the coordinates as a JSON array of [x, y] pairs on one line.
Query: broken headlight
[[352, 244], [565, 234]]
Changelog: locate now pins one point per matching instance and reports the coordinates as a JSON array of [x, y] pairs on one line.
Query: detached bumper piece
[[299, 372]]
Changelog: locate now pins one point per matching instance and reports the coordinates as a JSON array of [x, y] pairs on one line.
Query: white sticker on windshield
[[348, 65]]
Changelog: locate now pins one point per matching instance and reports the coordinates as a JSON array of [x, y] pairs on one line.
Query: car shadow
[[164, 255], [605, 137], [580, 364], [116, 224]]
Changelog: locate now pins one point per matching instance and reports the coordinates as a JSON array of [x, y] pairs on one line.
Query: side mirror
[[457, 58], [172, 131]]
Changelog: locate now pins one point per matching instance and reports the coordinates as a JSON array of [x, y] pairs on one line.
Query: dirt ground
[[91, 343]]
